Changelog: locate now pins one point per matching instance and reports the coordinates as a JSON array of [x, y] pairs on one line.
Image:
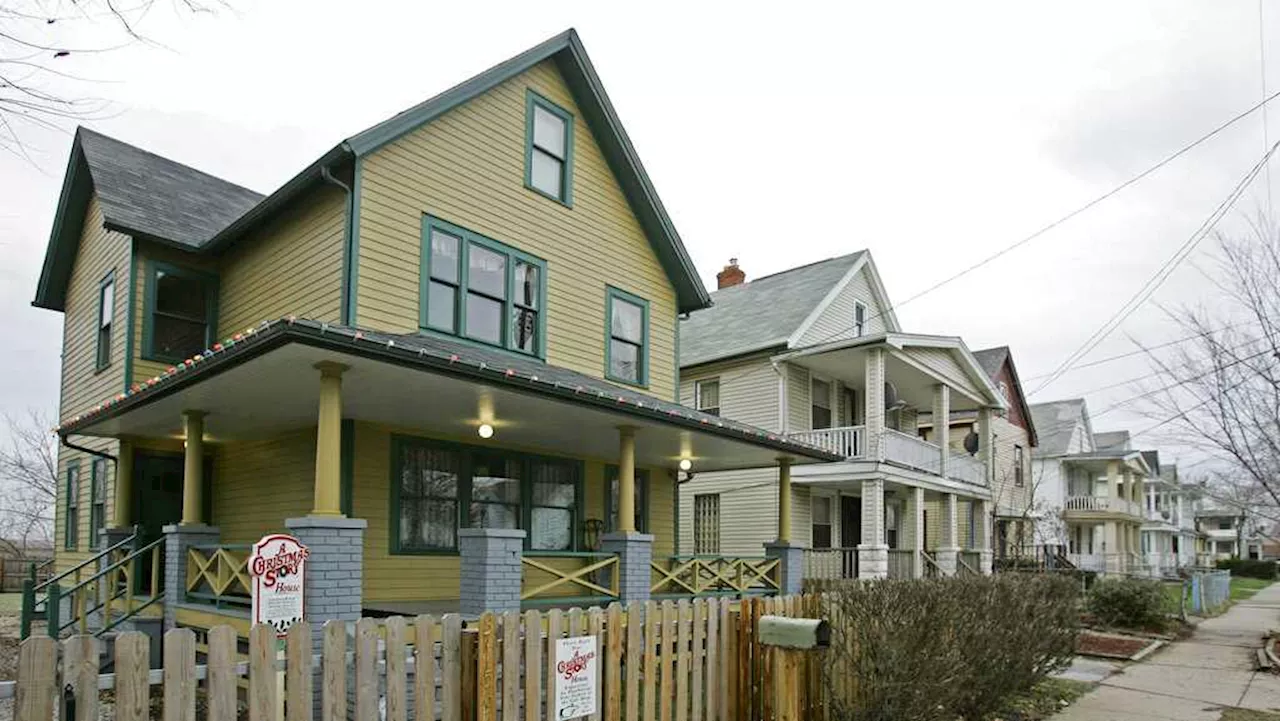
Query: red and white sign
[[278, 565], [577, 677]]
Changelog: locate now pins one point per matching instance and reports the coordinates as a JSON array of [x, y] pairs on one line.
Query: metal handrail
[[92, 559], [80, 615], [115, 565]]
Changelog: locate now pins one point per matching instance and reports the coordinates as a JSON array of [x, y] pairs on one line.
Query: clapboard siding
[[292, 266], [467, 167], [748, 390], [941, 362], [799, 412], [66, 457], [748, 509], [836, 321], [258, 484]]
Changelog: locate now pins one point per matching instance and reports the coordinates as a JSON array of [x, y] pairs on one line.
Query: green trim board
[[534, 101], [99, 362], [351, 265], [457, 281], [613, 295], [642, 490], [131, 312], [71, 509], [463, 497], [210, 282], [68, 226], [347, 467]]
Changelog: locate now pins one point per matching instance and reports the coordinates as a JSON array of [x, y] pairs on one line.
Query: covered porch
[[424, 475]]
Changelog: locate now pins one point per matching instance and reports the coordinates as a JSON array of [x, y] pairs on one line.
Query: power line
[[1132, 353], [1162, 273]]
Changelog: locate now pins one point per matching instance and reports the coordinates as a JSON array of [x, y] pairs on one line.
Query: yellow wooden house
[[444, 355]]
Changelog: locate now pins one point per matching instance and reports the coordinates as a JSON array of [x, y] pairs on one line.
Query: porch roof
[[1133, 459], [261, 381]]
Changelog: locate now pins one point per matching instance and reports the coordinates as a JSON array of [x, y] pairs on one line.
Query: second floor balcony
[[1101, 504], [900, 448]]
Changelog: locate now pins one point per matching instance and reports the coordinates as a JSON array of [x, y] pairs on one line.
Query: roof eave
[[67, 221]]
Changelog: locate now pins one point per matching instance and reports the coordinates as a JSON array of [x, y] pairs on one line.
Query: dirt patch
[[8, 648], [1110, 645]]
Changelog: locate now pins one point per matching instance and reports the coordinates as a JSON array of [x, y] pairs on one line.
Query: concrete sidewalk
[[1193, 680]]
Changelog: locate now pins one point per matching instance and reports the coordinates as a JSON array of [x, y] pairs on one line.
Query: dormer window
[[549, 149]]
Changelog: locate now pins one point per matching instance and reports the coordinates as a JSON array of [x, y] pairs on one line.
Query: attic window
[[549, 149], [859, 318]]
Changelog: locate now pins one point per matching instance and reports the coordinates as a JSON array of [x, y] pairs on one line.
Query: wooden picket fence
[[671, 661]]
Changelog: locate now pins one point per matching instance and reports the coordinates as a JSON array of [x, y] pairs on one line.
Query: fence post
[[53, 610], [28, 603]]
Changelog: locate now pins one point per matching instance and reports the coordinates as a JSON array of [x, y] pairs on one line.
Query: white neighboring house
[[816, 353], [1223, 533]]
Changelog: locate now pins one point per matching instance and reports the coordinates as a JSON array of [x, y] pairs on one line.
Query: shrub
[[949, 649], [1246, 568], [1136, 603]]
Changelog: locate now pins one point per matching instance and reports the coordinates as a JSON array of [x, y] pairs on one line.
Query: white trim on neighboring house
[[877, 290]]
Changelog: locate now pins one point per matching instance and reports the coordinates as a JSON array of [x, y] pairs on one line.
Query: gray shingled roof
[[759, 313], [1111, 440], [991, 359], [144, 194], [1054, 423]]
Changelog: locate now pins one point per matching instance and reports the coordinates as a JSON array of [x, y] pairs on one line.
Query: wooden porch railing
[[901, 564], [930, 567], [218, 575], [968, 563], [848, 441], [569, 577], [711, 575], [828, 564]]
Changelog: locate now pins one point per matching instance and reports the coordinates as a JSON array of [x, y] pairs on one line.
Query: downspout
[[344, 311], [90, 451], [782, 395]]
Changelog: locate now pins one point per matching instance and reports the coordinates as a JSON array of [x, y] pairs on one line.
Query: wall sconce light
[[685, 464], [485, 430]]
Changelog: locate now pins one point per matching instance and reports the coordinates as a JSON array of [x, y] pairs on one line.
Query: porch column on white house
[[982, 527], [949, 537], [873, 422], [986, 445], [1151, 499], [633, 549], [942, 425], [913, 530], [1113, 480], [873, 552], [790, 555], [1111, 546]]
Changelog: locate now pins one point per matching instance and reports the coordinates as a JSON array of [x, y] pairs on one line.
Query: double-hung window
[[821, 402], [1019, 471], [106, 312], [706, 395], [859, 318], [611, 501], [71, 523], [180, 311], [441, 487], [820, 508], [628, 338], [548, 149], [97, 499], [478, 288]]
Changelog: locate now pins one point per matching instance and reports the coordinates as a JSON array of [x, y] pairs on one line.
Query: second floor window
[[106, 311], [628, 338], [1019, 471], [180, 313], [549, 149], [478, 288], [706, 396], [821, 414]]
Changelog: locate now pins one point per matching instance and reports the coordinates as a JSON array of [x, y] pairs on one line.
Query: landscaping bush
[[945, 649], [1136, 603], [1245, 568]]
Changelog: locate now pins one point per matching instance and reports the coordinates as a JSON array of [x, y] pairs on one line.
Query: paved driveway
[[1193, 680]]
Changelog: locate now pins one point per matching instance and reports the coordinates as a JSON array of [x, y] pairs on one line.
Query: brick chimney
[[731, 275]]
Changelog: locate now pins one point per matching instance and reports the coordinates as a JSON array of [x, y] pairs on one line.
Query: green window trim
[[534, 100], [101, 354], [613, 295], [71, 522], [97, 499], [643, 489], [149, 305], [462, 288], [467, 454]]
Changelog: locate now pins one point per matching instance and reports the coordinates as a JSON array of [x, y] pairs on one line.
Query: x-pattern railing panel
[[574, 578], [704, 574], [221, 570]]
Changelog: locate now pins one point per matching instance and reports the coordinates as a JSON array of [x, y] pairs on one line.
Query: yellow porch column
[[328, 485], [193, 468], [124, 485], [784, 500], [626, 480]]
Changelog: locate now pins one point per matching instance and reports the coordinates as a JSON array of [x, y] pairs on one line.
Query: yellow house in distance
[[443, 355]]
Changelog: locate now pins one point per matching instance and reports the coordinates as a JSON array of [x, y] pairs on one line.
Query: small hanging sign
[[577, 671], [278, 565]]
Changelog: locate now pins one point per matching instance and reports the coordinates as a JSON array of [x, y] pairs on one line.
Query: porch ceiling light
[[685, 464], [485, 430]]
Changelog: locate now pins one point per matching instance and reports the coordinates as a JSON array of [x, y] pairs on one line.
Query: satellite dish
[[971, 443], [891, 400]]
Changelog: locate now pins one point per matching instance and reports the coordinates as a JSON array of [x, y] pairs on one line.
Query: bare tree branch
[[28, 481]]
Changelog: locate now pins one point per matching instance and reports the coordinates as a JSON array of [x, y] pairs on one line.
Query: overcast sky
[[932, 134]]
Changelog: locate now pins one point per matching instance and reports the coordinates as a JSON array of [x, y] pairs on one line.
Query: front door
[[157, 502]]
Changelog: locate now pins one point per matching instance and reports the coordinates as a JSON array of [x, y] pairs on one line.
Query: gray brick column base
[[491, 575], [790, 566], [179, 538], [873, 561], [948, 561], [635, 552]]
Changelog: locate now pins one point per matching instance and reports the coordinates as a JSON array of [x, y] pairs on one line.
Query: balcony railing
[[1105, 504], [910, 451], [968, 469], [849, 441]]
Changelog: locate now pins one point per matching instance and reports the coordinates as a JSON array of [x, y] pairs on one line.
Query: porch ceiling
[[913, 385], [256, 392]]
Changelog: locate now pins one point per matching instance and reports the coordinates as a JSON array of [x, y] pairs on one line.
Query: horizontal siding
[[467, 167], [292, 266], [1008, 497], [748, 391], [837, 320], [258, 484], [799, 413], [748, 509], [66, 457], [941, 362]]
